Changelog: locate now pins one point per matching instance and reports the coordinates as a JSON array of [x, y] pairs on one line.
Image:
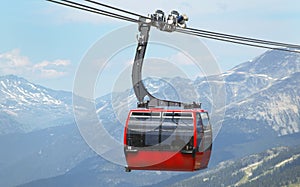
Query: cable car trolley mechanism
[[161, 134]]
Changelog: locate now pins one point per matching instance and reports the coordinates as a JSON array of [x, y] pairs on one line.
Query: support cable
[[115, 8], [93, 10], [241, 38], [252, 44], [190, 31]]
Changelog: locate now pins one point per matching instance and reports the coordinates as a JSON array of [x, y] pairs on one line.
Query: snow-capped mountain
[[266, 91], [277, 106], [253, 76], [273, 63], [25, 106]]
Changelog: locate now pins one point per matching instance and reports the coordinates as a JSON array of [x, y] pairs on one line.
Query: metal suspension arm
[[139, 88]]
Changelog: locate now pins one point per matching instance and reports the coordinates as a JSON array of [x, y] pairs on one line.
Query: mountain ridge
[[32, 106]]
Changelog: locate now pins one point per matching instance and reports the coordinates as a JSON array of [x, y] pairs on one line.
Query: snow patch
[[289, 160]]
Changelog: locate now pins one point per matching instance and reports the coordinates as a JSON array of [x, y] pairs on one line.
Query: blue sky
[[45, 43]]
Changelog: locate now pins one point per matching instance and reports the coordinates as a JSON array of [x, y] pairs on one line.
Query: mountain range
[[40, 139], [26, 107]]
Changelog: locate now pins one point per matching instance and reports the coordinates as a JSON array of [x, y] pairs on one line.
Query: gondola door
[[204, 140], [200, 131], [207, 132]]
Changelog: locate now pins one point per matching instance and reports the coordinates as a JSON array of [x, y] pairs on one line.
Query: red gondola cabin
[[171, 140]]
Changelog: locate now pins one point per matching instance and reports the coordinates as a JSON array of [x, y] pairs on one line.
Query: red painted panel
[[171, 161]]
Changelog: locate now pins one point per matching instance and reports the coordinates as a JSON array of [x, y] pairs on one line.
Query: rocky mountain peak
[[273, 63]]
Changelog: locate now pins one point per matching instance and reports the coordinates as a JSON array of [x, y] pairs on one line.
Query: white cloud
[[51, 73], [61, 62], [15, 59], [13, 62], [48, 69]]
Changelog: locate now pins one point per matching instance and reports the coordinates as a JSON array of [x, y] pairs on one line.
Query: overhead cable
[[115, 8], [247, 39], [252, 44], [93, 10], [190, 31]]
